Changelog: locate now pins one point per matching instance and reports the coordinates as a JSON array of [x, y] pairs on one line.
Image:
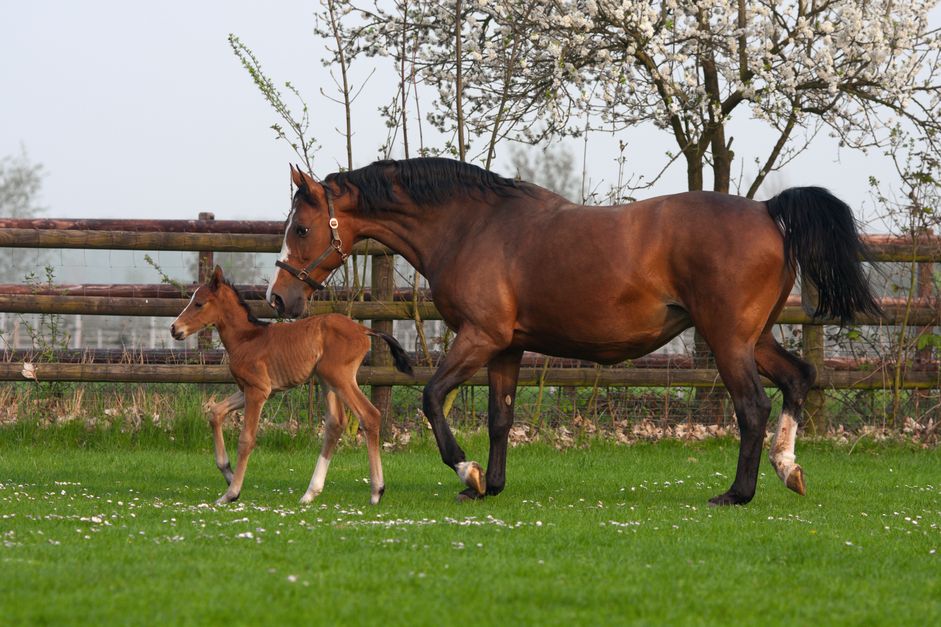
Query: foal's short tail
[[399, 356], [821, 237]]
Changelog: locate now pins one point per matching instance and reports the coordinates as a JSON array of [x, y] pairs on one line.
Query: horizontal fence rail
[[920, 312], [207, 365], [368, 375]]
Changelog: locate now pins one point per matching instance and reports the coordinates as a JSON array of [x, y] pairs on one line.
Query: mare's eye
[[301, 231], [197, 305]]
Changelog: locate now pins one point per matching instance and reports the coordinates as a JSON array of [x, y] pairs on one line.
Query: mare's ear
[[217, 279], [306, 184], [296, 177]]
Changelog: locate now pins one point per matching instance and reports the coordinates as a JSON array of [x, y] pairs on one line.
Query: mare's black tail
[[399, 356], [821, 237]]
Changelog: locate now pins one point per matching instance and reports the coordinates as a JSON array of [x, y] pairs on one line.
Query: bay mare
[[267, 358], [514, 267]]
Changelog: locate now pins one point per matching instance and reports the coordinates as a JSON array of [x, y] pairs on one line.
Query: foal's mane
[[427, 181], [241, 301]]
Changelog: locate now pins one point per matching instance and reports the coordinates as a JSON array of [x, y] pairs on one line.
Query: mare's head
[[317, 240], [205, 308], [326, 218]]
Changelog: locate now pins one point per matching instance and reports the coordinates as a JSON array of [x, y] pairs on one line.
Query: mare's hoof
[[729, 498], [473, 476], [308, 498], [470, 494], [795, 480]]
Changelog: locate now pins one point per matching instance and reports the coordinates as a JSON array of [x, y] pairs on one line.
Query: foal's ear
[[217, 279]]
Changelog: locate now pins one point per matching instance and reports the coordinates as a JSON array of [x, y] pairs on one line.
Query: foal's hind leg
[[217, 414], [334, 422], [370, 420], [794, 377]]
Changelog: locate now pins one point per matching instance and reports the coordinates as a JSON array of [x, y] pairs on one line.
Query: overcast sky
[[141, 110]]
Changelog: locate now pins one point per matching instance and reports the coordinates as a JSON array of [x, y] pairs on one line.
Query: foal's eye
[[197, 305], [301, 231]]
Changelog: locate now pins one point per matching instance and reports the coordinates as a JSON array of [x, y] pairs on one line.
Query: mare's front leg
[[217, 414], [254, 401], [471, 350], [334, 423], [503, 373]]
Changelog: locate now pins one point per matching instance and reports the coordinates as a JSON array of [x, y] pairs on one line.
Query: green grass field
[[118, 529]]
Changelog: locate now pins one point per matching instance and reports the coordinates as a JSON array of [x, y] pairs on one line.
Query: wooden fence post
[[925, 292], [812, 338], [204, 267], [710, 402], [382, 284]]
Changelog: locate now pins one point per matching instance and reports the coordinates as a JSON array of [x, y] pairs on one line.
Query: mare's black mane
[[428, 181]]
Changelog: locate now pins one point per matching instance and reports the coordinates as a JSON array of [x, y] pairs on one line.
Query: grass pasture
[[120, 530]]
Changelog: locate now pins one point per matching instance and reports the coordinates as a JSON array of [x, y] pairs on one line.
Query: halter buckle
[[334, 223]]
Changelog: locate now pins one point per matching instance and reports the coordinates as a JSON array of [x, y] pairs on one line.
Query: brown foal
[[266, 358]]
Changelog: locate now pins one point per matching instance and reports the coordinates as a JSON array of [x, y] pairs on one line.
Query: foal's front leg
[[334, 423], [217, 414], [254, 401]]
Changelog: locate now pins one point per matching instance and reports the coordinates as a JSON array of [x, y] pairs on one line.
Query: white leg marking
[[472, 475], [782, 446], [317, 480]]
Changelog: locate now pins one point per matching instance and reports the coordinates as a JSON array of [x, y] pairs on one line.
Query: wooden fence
[[385, 303]]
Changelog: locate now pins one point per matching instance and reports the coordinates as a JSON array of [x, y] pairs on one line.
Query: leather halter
[[336, 245]]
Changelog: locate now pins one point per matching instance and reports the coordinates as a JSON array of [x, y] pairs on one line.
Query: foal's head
[[206, 307]]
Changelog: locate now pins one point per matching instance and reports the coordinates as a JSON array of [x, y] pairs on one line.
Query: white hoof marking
[[782, 447], [472, 475]]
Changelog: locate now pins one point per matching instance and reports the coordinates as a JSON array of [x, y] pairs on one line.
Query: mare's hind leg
[[736, 363], [794, 377], [334, 423], [217, 414]]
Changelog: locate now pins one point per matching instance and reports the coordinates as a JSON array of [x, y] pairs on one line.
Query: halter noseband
[[336, 245]]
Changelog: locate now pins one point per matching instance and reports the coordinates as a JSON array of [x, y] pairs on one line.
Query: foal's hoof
[[308, 498], [226, 471], [729, 498], [470, 494], [795, 480], [226, 499], [473, 476]]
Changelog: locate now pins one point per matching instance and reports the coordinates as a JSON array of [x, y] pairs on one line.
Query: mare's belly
[[605, 339]]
